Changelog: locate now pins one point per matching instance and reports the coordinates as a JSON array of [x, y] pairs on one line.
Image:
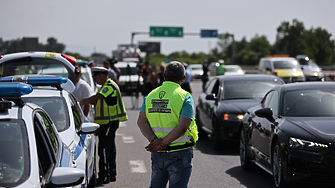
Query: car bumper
[[311, 168], [229, 131]]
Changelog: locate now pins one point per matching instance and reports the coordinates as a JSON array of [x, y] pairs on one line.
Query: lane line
[[137, 166], [128, 139]]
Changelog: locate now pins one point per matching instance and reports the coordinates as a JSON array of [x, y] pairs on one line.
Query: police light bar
[[81, 63], [36, 80], [14, 89], [71, 59]]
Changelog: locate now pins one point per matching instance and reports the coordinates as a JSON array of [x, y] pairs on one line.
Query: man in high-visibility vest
[[109, 111], [221, 68], [166, 120]]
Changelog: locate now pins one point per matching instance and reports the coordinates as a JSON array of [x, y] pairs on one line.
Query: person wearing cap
[[111, 73], [186, 84], [109, 111], [166, 119], [221, 68], [91, 64], [82, 91]]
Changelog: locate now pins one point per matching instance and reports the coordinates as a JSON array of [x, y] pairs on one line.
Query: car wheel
[[217, 142], [202, 134], [244, 158], [277, 170]]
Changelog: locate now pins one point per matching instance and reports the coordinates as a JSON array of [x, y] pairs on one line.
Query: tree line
[[291, 39]]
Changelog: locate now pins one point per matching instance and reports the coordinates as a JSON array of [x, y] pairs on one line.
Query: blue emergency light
[[14, 89], [36, 80], [81, 63]]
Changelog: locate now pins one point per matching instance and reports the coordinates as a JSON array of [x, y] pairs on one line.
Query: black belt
[[169, 148]]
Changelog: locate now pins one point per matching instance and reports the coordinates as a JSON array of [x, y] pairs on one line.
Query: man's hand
[[156, 145]]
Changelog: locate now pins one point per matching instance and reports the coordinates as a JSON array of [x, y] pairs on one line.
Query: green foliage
[[291, 38], [99, 55], [77, 56], [52, 45]]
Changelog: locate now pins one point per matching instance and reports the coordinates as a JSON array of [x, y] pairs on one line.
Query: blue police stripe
[[65, 160], [80, 146]]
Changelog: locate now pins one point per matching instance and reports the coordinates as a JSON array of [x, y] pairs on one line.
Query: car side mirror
[[265, 113], [89, 128], [211, 97]]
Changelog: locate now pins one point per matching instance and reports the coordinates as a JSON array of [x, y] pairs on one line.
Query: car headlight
[[234, 117], [306, 145]]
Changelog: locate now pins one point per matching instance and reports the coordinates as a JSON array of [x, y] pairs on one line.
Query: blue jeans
[[175, 167]]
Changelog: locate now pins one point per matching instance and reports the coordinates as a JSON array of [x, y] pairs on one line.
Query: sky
[[88, 26]]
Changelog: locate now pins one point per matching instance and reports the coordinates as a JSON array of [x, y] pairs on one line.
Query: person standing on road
[[204, 77], [186, 84], [111, 73], [82, 91], [109, 111], [166, 120], [221, 68]]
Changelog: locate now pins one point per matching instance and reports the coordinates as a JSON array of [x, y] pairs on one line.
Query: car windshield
[[14, 159], [55, 107], [233, 69], [130, 71], [288, 64], [318, 102], [243, 89], [196, 68], [28, 65]]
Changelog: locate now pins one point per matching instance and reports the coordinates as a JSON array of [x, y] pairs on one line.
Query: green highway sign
[[166, 31]]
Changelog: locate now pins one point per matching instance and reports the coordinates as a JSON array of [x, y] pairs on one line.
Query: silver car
[[310, 69]]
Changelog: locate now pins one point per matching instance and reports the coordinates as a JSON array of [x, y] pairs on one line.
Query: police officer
[[109, 111], [221, 68], [166, 120]]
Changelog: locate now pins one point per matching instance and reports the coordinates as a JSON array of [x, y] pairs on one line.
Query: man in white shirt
[[82, 91]]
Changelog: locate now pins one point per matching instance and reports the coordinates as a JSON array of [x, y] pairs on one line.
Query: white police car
[[75, 131], [31, 152], [42, 63]]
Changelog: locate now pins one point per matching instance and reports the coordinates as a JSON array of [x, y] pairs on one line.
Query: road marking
[[122, 124], [137, 166], [128, 139]]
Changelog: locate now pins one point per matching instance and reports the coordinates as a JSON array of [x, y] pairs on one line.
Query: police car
[[31, 152], [54, 95], [42, 63]]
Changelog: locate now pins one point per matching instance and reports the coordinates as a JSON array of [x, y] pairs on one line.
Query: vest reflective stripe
[[105, 113], [183, 139], [163, 107]]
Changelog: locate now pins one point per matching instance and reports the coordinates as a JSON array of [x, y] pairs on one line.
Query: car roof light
[[81, 63], [71, 59], [1, 56], [15, 89], [36, 80]]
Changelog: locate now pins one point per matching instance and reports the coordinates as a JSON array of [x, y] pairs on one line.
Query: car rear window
[[29, 65], [289, 64]]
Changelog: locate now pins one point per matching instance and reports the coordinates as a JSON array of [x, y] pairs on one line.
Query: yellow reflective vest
[[111, 107], [163, 107]]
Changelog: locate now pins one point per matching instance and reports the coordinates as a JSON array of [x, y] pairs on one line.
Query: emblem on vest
[[104, 90], [161, 94]]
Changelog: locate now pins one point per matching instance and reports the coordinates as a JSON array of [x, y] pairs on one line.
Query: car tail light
[[275, 73], [71, 59]]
